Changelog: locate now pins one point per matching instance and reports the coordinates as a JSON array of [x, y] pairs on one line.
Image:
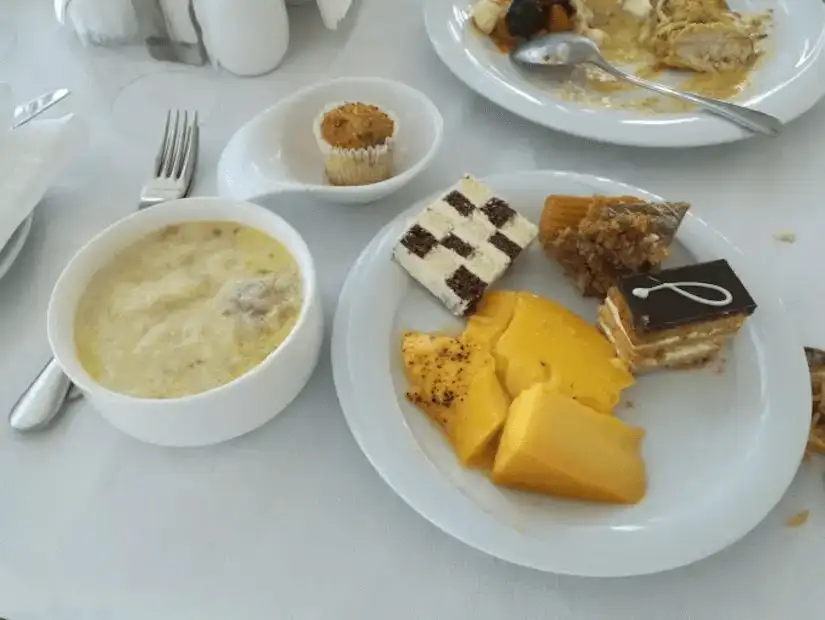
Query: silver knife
[[27, 111]]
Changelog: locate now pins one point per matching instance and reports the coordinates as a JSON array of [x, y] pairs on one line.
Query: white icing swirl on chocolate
[[678, 287]]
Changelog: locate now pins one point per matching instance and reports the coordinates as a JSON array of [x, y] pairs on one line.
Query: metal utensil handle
[[745, 117], [43, 399]]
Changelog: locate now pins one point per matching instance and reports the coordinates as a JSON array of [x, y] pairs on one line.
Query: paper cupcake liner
[[356, 166]]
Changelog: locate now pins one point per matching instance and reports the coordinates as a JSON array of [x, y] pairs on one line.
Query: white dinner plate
[[786, 83], [722, 445]]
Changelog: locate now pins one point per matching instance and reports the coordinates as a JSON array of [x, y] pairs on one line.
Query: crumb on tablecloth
[[800, 518], [785, 236]]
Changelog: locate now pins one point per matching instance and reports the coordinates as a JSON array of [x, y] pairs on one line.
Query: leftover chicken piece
[[714, 48], [597, 239], [702, 35]]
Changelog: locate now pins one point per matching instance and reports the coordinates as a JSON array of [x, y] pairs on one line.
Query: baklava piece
[[598, 239]]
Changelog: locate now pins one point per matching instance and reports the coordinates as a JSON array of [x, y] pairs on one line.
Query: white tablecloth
[[291, 521]]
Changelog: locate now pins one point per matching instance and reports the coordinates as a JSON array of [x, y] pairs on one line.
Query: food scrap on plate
[[816, 366]]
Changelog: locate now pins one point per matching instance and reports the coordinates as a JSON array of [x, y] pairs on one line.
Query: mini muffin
[[357, 141]]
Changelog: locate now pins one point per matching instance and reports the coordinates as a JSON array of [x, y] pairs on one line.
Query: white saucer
[[721, 446], [276, 151]]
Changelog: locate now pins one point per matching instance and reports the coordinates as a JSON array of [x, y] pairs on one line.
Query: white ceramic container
[[218, 414]]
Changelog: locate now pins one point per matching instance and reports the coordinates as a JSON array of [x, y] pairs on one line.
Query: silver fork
[[172, 176]]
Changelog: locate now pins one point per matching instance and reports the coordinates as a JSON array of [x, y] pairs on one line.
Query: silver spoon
[[567, 49]]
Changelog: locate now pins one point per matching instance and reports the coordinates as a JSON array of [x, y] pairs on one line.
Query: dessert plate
[[785, 84], [276, 151], [722, 445]]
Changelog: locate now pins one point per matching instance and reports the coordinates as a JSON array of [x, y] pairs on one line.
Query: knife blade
[[27, 111]]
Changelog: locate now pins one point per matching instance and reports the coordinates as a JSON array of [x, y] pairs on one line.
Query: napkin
[[31, 158]]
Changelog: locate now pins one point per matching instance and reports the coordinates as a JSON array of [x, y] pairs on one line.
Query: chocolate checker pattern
[[462, 243]]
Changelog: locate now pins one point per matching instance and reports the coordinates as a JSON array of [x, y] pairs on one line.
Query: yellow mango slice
[[545, 341], [453, 380], [491, 318], [553, 444]]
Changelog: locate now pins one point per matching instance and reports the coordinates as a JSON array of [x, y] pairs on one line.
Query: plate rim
[[400, 483], [686, 130]]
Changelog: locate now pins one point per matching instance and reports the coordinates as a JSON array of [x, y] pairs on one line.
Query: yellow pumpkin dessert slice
[[545, 341], [453, 380], [491, 318], [553, 444]]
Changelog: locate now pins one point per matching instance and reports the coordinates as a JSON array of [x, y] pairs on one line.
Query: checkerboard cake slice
[[462, 243]]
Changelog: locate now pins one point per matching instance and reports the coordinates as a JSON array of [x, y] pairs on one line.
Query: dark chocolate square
[[666, 309], [419, 241], [458, 245], [460, 203], [467, 285], [498, 212], [505, 244]]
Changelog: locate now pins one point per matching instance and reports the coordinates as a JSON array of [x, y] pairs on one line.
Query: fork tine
[[180, 146], [163, 141], [169, 155], [191, 156]]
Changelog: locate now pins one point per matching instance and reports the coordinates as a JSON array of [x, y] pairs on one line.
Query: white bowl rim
[[86, 383], [399, 179]]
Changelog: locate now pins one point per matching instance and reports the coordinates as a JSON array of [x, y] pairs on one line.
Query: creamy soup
[[186, 309]]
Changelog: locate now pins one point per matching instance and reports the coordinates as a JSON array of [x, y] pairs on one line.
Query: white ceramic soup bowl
[[220, 413]]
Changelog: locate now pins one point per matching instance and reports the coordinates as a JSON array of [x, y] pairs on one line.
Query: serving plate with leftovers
[[571, 374], [755, 52]]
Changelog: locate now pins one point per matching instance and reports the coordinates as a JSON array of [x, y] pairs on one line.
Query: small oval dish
[[211, 414], [277, 150]]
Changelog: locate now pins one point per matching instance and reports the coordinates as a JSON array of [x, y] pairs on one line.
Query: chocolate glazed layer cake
[[675, 318]]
